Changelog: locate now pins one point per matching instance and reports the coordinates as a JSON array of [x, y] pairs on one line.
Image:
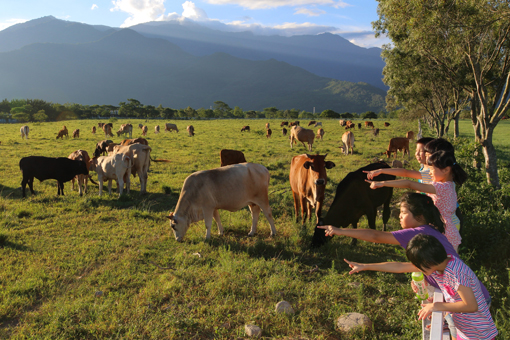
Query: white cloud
[[94, 6], [10, 22], [193, 12], [265, 4], [141, 11], [309, 12]]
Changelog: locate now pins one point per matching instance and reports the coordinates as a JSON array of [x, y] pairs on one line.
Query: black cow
[[353, 199], [61, 168]]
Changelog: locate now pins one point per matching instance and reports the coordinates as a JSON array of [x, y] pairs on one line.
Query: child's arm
[[393, 171], [368, 235], [388, 267], [404, 183], [467, 305]]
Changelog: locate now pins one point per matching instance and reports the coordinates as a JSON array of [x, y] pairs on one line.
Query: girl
[[444, 171]]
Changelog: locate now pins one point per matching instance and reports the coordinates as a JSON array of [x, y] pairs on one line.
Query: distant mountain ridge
[[63, 62]]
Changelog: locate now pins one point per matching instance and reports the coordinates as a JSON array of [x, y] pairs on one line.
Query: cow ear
[[308, 156], [170, 216], [307, 165], [330, 165]]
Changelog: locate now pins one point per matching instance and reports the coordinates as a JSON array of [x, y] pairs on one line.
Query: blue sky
[[348, 18]]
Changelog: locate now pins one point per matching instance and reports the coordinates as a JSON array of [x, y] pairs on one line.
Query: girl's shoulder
[[449, 185]]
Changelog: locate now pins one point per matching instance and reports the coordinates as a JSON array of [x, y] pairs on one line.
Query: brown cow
[[267, 126], [229, 157], [347, 142], [284, 131], [308, 181], [297, 133], [245, 128], [140, 125], [386, 124], [100, 125], [81, 155], [296, 123], [398, 143], [369, 124], [125, 129], [342, 122], [169, 127], [134, 141], [156, 129], [191, 130], [269, 133], [144, 130], [102, 147], [284, 124], [375, 132], [410, 135], [107, 130], [349, 125], [320, 133], [76, 133], [93, 129], [312, 122], [63, 132]]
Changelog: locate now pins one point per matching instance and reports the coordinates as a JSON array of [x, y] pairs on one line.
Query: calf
[[359, 126], [80, 155], [375, 132], [63, 132], [267, 126], [229, 157], [347, 142], [115, 167], [284, 131], [62, 169], [24, 131], [396, 144], [245, 128], [369, 124], [284, 124], [297, 133], [76, 133], [320, 133], [269, 132], [228, 188], [386, 124], [308, 181], [353, 199], [93, 129], [191, 130]]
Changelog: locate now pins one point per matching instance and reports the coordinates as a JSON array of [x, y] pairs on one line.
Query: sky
[[350, 19]]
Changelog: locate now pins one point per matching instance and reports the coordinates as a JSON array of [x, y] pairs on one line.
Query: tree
[[329, 114], [369, 115], [40, 116], [472, 34], [133, 108], [221, 109], [346, 115]]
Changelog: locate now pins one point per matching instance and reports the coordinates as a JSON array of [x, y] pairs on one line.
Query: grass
[[101, 267]]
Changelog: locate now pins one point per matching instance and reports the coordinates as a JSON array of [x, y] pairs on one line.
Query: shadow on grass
[[5, 243], [10, 193]]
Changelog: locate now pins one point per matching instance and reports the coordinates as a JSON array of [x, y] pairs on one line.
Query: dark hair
[[439, 144], [442, 159], [425, 251], [424, 140], [422, 205]]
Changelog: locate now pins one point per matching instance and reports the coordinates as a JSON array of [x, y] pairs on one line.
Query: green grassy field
[[107, 268]]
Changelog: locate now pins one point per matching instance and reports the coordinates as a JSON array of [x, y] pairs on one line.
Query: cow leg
[[72, 183], [86, 180], [24, 183], [371, 215], [110, 187], [80, 184], [60, 186], [255, 212], [296, 204], [208, 217], [304, 209], [386, 212], [100, 180], [216, 216], [266, 209], [31, 185], [291, 142], [120, 185]]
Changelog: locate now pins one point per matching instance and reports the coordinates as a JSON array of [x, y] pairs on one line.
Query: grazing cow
[[318, 124], [144, 130], [156, 129], [76, 133], [353, 199], [245, 128], [114, 167], [24, 130], [369, 124], [347, 142], [297, 133], [81, 155], [100, 125], [94, 129], [296, 123], [229, 157], [140, 155], [228, 188], [410, 135], [102, 147], [284, 124], [342, 122], [134, 141], [386, 124], [169, 127], [140, 125], [267, 126], [396, 144], [349, 125], [63, 132], [308, 181], [191, 130], [61, 168], [269, 132], [107, 129], [375, 132], [320, 133], [284, 131], [125, 129], [312, 122], [359, 126]]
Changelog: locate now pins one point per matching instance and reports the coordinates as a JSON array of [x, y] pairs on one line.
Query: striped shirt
[[426, 178], [477, 325]]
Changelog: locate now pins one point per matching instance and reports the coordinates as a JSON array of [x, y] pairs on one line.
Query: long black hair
[[442, 159], [422, 205]]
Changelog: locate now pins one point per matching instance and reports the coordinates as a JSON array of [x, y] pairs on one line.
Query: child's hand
[[413, 286], [427, 309], [375, 185], [329, 230], [372, 174], [356, 267]]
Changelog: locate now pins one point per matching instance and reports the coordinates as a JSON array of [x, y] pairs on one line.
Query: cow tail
[[160, 160], [90, 178]]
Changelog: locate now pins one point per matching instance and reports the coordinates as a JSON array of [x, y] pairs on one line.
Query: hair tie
[[454, 163]]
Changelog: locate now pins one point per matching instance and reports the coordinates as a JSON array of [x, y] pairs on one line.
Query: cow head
[[316, 166], [179, 226]]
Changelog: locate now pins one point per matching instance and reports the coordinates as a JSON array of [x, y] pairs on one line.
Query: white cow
[[156, 129], [347, 142], [24, 131], [318, 124], [140, 154], [125, 129], [115, 167], [170, 127], [231, 188]]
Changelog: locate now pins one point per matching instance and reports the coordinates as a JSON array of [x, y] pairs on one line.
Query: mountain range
[[186, 65]]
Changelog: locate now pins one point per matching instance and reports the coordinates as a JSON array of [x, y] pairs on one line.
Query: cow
[[284, 124], [267, 126], [386, 124], [229, 188], [140, 155], [80, 155], [353, 199], [347, 142], [114, 167], [342, 122], [369, 124], [144, 130], [94, 129], [296, 123], [317, 124], [245, 128], [297, 133], [359, 126], [284, 131], [107, 129], [312, 122], [269, 132], [169, 127], [320, 133], [410, 135], [134, 141], [229, 157], [61, 168], [156, 129], [24, 130], [102, 147], [140, 125], [63, 132], [125, 129], [76, 133], [100, 125], [308, 181], [191, 130], [396, 144], [110, 147], [349, 125], [375, 132]]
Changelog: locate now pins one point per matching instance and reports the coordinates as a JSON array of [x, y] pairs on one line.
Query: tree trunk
[[456, 127], [491, 161]]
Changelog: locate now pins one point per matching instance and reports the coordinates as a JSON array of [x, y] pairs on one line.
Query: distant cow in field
[[269, 132], [375, 132], [100, 125], [320, 133], [228, 188], [76, 133], [284, 124], [410, 135], [353, 199], [140, 125], [63, 132], [396, 144], [369, 124], [342, 122], [297, 133], [169, 127], [107, 129], [312, 122], [347, 142], [134, 141], [24, 130], [93, 129], [349, 125], [267, 126], [229, 157], [191, 130], [81, 155], [359, 126], [144, 130], [386, 124], [140, 155], [125, 129], [284, 131], [245, 128], [296, 123], [308, 181], [156, 129], [102, 147], [317, 124], [114, 167], [61, 168]]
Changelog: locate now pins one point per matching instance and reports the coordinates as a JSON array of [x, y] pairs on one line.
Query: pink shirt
[[445, 199]]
